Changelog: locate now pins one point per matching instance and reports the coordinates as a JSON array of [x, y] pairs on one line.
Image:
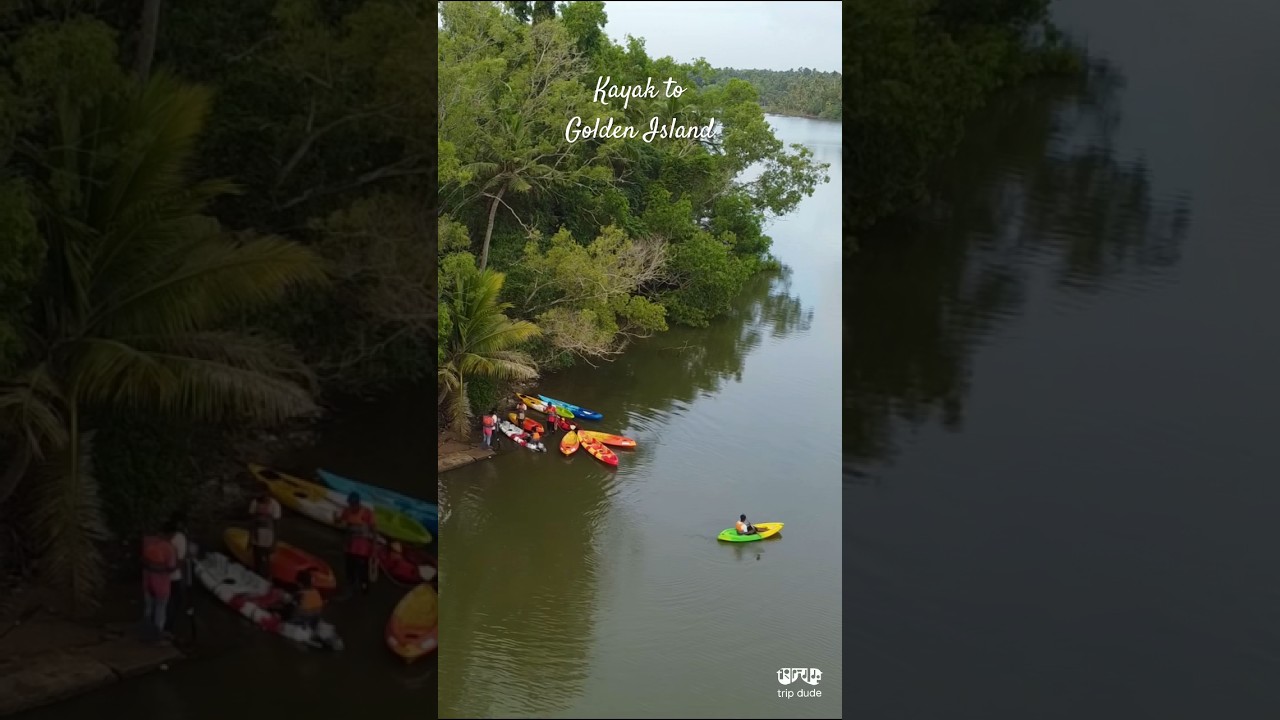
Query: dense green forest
[[804, 92], [555, 249], [212, 217], [916, 70]]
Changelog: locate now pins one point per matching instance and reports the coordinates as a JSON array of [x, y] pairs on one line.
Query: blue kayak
[[427, 513], [583, 413]]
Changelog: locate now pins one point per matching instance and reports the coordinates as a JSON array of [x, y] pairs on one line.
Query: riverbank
[[47, 656], [454, 453]]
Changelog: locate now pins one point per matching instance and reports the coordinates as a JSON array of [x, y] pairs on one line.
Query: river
[[241, 672], [1060, 394], [570, 589]]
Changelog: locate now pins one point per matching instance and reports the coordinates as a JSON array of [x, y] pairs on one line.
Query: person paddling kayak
[[744, 527]]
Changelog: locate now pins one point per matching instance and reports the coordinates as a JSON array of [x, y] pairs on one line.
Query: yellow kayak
[[569, 443], [323, 504], [413, 630], [536, 404]]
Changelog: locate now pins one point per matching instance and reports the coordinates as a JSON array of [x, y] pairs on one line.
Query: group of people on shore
[[167, 564], [489, 423]]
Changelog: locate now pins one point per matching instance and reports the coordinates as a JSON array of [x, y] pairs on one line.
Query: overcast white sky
[[748, 35]]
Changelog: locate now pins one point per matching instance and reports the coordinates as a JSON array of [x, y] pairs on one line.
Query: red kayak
[[530, 425], [407, 565], [598, 450]]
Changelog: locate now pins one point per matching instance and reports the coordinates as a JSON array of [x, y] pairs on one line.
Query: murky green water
[[573, 590], [244, 673], [1061, 394]]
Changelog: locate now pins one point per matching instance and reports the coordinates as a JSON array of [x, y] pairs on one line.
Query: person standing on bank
[[159, 560], [265, 512], [362, 530], [180, 582]]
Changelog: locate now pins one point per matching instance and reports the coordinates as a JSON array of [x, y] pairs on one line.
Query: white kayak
[[259, 601], [519, 437]]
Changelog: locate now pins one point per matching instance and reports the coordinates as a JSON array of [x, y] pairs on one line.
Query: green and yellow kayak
[[767, 530], [323, 504]]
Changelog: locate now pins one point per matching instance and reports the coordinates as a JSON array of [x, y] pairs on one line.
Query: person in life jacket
[[159, 561], [489, 422], [310, 602], [521, 409], [534, 438], [264, 512], [362, 533], [744, 527]]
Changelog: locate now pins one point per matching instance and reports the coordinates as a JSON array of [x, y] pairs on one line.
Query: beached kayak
[[607, 439], [536, 404], [413, 630], [529, 424], [580, 412], [253, 597], [519, 437], [598, 450], [409, 566], [767, 530], [569, 444], [323, 504], [425, 512], [287, 562]]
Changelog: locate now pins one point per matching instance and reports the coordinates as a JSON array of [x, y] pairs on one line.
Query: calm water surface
[[245, 673], [575, 590], [1060, 394]]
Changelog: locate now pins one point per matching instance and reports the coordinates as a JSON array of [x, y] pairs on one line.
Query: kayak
[[255, 598], [413, 630], [598, 450], [409, 566], [323, 505], [536, 404], [767, 530], [425, 512], [530, 425], [286, 562], [577, 411], [569, 443], [519, 437], [607, 439]]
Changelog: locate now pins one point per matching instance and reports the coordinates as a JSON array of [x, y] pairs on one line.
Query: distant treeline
[[805, 92]]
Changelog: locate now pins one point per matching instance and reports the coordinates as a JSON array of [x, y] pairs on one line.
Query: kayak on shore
[[425, 512], [614, 440], [413, 629], [577, 411], [256, 599], [520, 437], [287, 561], [598, 450], [323, 504], [535, 404], [529, 424], [408, 565]]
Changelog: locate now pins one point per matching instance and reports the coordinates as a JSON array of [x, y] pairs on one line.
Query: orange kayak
[[569, 443], [607, 439], [530, 425], [286, 563], [598, 450], [413, 630]]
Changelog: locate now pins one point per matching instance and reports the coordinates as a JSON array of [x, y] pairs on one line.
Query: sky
[[744, 35]]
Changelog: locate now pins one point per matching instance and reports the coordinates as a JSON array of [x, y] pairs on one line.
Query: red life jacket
[[488, 421], [360, 535], [158, 556]]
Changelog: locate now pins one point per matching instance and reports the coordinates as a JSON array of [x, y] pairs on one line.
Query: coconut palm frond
[[29, 409], [191, 377], [212, 282], [68, 521]]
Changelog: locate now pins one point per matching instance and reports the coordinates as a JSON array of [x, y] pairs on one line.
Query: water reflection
[[1023, 196]]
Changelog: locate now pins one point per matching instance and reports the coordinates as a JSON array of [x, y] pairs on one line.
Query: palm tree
[[481, 339], [132, 311]]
